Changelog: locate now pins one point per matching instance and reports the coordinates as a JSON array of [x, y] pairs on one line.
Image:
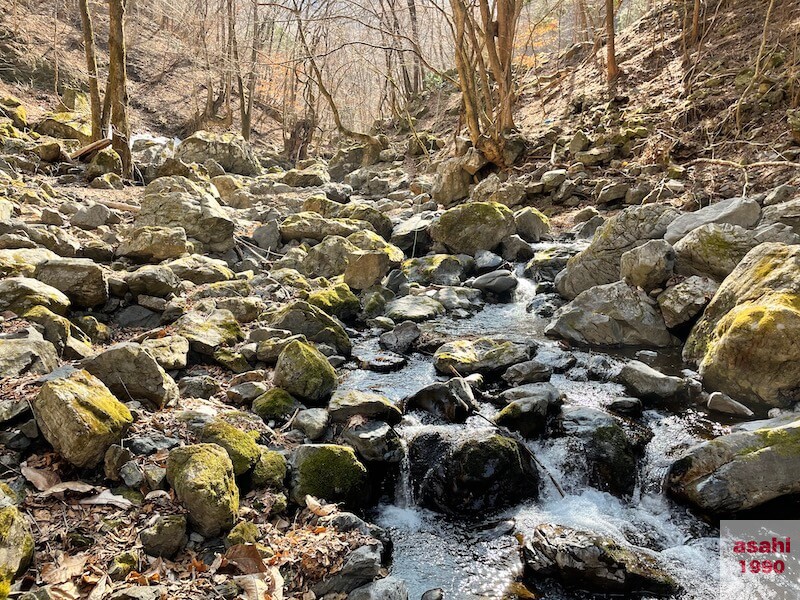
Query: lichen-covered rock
[[611, 315], [154, 244], [167, 203], [682, 302], [26, 352], [80, 417], [301, 318], [165, 537], [473, 226], [439, 269], [594, 562], [169, 351], [743, 212], [131, 373], [739, 471], [201, 269], [240, 446], [599, 264], [231, 151], [329, 258], [483, 355], [66, 126], [23, 261], [104, 162], [746, 341], [313, 226], [270, 470], [414, 308], [452, 182], [328, 472], [203, 480], [20, 294], [373, 242], [276, 405], [304, 372], [531, 224], [153, 280], [529, 410], [16, 546], [375, 442], [82, 280], [208, 332], [345, 404], [474, 474], [313, 176], [713, 250]]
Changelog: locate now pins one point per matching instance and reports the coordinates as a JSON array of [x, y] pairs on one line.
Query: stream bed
[[479, 559]]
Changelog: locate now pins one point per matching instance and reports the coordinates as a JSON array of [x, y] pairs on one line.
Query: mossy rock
[[337, 301], [474, 226], [203, 479], [208, 332], [302, 318], [276, 405], [328, 472], [243, 533], [20, 294], [270, 470], [483, 355], [16, 547], [304, 372], [80, 417], [367, 240], [241, 448]]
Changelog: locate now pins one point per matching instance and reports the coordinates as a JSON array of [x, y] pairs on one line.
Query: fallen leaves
[[41, 479], [64, 569], [107, 497]]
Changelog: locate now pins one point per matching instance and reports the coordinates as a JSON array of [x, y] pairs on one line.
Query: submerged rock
[[475, 474], [594, 562]]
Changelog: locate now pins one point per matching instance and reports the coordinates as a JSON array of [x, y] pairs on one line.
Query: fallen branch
[[743, 166], [120, 205], [90, 149]]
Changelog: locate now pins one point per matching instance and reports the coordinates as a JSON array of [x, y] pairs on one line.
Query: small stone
[[165, 537]]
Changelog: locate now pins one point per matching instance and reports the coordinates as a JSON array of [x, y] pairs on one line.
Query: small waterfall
[[404, 491]]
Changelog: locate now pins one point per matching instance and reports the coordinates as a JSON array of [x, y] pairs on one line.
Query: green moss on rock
[[304, 372], [275, 405], [270, 470], [241, 447], [329, 472], [337, 301]]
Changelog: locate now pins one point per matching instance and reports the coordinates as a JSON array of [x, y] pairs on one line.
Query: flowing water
[[478, 560]]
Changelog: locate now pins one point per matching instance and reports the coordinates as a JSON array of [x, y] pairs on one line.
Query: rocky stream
[[349, 379]]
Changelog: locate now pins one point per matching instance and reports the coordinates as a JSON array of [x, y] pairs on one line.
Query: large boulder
[[203, 480], [176, 202], [302, 318], [131, 372], [475, 474], [746, 343], [231, 151], [82, 280], [615, 314], [599, 264], [452, 182], [414, 308], [595, 563], [739, 471], [329, 258], [80, 417], [200, 269], [734, 211], [647, 266], [20, 294], [329, 472], [474, 226], [304, 372], [16, 546], [713, 250], [483, 355]]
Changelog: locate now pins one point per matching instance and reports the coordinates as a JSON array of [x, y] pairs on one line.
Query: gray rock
[[645, 382], [93, 216], [345, 404], [530, 371], [487, 261], [414, 308], [473, 226], [611, 315], [199, 386], [599, 264], [594, 562], [482, 355], [786, 213], [83, 281], [165, 537], [301, 318], [359, 568], [682, 302], [531, 224], [780, 194], [452, 182], [375, 441], [169, 351], [713, 250], [131, 373], [313, 422], [389, 588], [528, 408], [401, 338], [20, 294], [207, 332], [648, 266], [734, 211], [153, 280], [452, 400], [154, 244], [26, 352], [719, 402], [230, 151], [412, 235], [497, 282], [738, 471]]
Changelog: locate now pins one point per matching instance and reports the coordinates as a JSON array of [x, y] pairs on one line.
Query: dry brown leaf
[[107, 497], [261, 586], [246, 558], [40, 478], [64, 591], [319, 509], [99, 590], [69, 486], [65, 568]]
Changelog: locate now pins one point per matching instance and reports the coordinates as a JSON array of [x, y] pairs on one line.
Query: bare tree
[[116, 92], [91, 69], [611, 52]]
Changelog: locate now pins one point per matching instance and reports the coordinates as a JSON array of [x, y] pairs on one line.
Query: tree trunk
[[696, 22], [118, 83], [91, 69], [418, 71], [613, 70]]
